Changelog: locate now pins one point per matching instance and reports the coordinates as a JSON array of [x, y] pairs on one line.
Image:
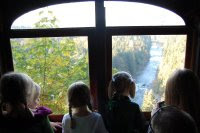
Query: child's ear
[[6, 108]]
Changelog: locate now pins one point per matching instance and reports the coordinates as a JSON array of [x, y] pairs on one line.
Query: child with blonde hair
[[183, 91], [33, 104], [15, 115], [123, 116], [81, 118]]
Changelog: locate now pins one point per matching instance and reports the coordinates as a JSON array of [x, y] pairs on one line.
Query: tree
[[172, 59], [131, 53], [149, 101], [54, 63]]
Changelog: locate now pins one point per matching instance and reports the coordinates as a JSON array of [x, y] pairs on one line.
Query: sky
[[82, 14]]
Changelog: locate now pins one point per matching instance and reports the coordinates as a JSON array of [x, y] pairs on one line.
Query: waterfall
[[147, 76]]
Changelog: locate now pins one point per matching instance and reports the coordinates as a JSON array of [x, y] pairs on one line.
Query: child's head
[[34, 99], [170, 119], [121, 82], [15, 89], [183, 90], [78, 96]]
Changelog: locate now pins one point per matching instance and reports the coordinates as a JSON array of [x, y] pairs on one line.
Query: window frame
[[141, 30], [100, 72]]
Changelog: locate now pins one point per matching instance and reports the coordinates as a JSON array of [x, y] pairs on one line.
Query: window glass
[[80, 14], [150, 59], [54, 63], [139, 14]]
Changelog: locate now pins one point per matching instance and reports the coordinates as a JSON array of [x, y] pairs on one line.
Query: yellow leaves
[[66, 53], [173, 56], [58, 61], [54, 63], [149, 101]]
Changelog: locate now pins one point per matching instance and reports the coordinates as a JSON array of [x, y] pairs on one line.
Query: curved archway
[[139, 14], [82, 14]]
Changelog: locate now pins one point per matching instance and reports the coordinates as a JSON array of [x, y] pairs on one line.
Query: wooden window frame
[[100, 47]]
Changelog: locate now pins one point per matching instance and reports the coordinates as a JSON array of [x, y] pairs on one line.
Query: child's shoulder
[[92, 115], [66, 115], [96, 114], [134, 104]]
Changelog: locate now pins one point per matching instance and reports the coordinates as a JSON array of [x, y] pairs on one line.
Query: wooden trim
[[108, 59], [100, 55], [54, 32], [92, 70], [6, 60], [147, 30], [129, 30]]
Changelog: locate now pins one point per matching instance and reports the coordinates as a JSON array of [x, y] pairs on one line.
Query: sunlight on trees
[[54, 63], [149, 101]]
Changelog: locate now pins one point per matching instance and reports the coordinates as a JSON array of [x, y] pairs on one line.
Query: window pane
[[80, 14], [138, 14], [54, 63], [150, 59]]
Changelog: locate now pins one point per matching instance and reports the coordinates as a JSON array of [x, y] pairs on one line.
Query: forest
[[173, 57], [54, 63]]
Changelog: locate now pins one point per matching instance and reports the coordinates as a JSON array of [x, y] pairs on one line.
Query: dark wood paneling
[[100, 55], [6, 62], [54, 32], [93, 69], [147, 30]]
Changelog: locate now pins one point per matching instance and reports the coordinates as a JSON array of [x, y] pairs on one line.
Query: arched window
[[80, 14], [139, 14], [51, 44], [140, 49]]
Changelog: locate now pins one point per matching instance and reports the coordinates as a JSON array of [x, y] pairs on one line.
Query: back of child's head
[[183, 90], [15, 88], [170, 119], [183, 85], [78, 96], [121, 82]]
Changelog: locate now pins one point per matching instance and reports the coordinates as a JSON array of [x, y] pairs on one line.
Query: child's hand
[[55, 125]]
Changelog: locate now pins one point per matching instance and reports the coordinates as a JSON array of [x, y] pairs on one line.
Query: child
[[15, 116], [123, 116], [81, 119], [169, 119], [33, 103], [183, 91]]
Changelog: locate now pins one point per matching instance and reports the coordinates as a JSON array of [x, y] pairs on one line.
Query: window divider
[[147, 30], [53, 32]]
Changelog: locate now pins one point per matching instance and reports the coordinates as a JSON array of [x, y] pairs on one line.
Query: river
[[147, 76]]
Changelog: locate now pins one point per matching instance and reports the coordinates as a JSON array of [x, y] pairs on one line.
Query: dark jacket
[[38, 123], [124, 116]]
